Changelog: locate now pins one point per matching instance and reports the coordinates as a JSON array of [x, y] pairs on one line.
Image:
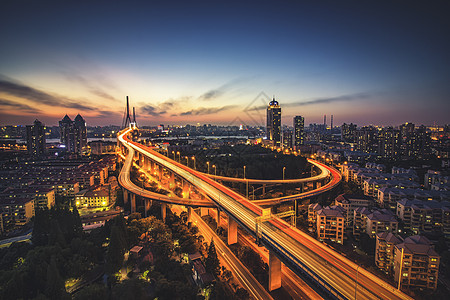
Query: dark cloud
[[151, 110], [108, 114], [19, 106], [163, 107], [206, 110], [346, 98], [39, 97], [342, 98], [88, 84], [218, 92]]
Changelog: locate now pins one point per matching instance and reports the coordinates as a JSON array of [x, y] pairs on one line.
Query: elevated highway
[[125, 181], [337, 275], [324, 173]]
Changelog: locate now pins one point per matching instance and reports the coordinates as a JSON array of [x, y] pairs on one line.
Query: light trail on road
[[332, 270]]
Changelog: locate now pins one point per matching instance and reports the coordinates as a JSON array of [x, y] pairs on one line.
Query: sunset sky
[[366, 62]]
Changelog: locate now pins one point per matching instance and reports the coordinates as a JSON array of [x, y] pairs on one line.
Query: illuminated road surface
[[326, 264], [232, 263]]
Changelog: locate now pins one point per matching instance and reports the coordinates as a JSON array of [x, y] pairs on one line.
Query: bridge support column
[[152, 168], [147, 205], [218, 217], [125, 196], [163, 211], [186, 189], [160, 173], [263, 190], [145, 163], [232, 231], [203, 211], [274, 272], [172, 180], [133, 203], [189, 213]]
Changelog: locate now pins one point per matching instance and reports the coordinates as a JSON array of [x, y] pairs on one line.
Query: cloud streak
[[342, 98], [163, 107], [206, 110], [39, 97], [95, 90], [220, 91], [20, 106]]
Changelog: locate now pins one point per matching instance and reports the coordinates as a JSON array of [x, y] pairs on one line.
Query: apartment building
[[350, 203], [416, 263], [384, 250], [330, 224]]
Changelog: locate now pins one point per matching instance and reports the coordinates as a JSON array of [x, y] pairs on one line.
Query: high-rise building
[[36, 138], [80, 133], [389, 143], [73, 134], [274, 122], [367, 139], [299, 131], [348, 132]]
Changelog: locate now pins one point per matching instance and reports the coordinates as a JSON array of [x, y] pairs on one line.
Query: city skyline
[[382, 64]]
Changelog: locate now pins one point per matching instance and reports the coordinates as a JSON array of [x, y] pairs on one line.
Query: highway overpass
[[340, 277]]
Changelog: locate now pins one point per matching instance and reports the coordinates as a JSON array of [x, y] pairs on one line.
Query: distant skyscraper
[[348, 132], [331, 123], [73, 134], [36, 138], [274, 122], [80, 131], [299, 131]]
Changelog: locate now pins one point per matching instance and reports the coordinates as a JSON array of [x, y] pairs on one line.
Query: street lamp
[[208, 166], [193, 158], [187, 161], [179, 156], [215, 171], [284, 168], [244, 171], [173, 152]]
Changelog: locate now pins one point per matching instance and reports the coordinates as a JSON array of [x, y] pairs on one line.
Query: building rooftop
[[389, 237]]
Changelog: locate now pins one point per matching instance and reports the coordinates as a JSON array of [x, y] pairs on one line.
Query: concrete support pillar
[[160, 173], [218, 217], [203, 211], [163, 211], [319, 184], [232, 231], [125, 196], [172, 180], [147, 205], [274, 272], [152, 167], [186, 190], [145, 163], [133, 203], [263, 190], [189, 213]]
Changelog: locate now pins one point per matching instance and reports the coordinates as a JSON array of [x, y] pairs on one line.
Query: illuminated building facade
[[299, 131], [36, 138], [274, 123]]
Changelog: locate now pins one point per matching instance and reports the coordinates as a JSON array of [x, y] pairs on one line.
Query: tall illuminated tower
[[299, 131], [36, 138], [274, 122]]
